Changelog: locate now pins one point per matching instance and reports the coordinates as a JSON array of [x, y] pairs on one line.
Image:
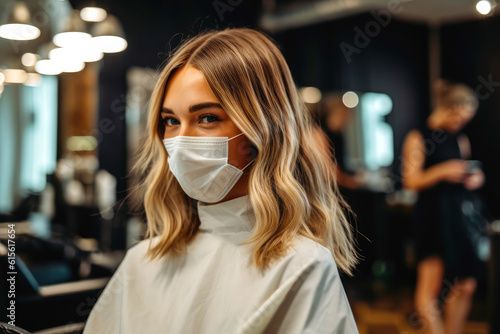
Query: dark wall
[[471, 55], [394, 60]]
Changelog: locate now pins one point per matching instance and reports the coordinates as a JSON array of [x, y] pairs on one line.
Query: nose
[[186, 130]]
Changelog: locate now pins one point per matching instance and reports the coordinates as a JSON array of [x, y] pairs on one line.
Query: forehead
[[187, 84]]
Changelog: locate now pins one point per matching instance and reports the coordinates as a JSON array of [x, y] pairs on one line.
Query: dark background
[[395, 62]]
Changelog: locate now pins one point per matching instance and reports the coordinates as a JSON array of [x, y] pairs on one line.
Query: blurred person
[[435, 165], [245, 228], [336, 118]]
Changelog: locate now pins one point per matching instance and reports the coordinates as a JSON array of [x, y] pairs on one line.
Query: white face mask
[[200, 165]]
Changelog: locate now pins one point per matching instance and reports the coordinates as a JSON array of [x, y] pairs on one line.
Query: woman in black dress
[[435, 164]]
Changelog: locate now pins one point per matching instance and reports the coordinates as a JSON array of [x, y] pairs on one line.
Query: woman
[[434, 164], [245, 231]]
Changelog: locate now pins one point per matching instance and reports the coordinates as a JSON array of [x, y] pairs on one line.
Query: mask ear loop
[[250, 161], [235, 136], [248, 164]]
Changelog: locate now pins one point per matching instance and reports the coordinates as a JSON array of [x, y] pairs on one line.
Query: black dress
[[438, 229]]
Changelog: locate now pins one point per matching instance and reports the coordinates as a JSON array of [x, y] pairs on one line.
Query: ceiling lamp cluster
[[486, 7], [75, 46], [86, 36]]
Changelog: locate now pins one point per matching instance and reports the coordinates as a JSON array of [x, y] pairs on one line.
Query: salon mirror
[[356, 124]]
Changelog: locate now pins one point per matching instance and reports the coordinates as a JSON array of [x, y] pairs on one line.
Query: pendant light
[[66, 59], [47, 66], [93, 14], [74, 32], [109, 36], [17, 24], [14, 73]]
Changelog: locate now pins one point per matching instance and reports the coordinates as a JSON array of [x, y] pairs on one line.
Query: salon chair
[[52, 294], [8, 329]]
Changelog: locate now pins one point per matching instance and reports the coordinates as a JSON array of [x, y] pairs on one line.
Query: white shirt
[[215, 288]]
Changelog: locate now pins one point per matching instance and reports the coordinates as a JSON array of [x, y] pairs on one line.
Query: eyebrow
[[195, 107]]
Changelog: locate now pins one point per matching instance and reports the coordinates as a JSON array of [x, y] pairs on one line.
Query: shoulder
[[414, 134], [304, 247], [306, 255], [414, 140], [136, 254]]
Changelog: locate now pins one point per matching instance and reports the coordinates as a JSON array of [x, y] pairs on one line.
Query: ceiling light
[[14, 76], [110, 44], [29, 59], [85, 52], [47, 67], [66, 60], [18, 26], [73, 33], [485, 7], [71, 38], [310, 94], [109, 36], [93, 14], [350, 99], [73, 67]]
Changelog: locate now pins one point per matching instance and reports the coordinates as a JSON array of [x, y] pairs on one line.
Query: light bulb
[[13, 75], [47, 67], [350, 99], [93, 14], [110, 44], [484, 7], [19, 32], [310, 94]]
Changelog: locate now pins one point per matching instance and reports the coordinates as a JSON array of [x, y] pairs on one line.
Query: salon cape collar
[[232, 217]]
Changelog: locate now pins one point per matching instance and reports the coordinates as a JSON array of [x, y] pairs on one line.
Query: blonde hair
[[448, 95], [291, 184]]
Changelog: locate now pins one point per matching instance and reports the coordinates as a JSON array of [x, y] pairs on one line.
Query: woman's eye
[[209, 118], [170, 121]]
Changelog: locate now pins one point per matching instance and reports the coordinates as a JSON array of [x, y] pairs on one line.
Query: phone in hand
[[473, 166]]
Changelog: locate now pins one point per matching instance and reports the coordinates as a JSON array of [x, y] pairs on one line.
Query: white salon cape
[[215, 289]]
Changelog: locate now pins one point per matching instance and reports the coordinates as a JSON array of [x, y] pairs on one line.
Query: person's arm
[[415, 177], [464, 146], [347, 180], [475, 180]]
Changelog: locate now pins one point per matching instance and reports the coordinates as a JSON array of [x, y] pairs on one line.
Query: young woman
[[434, 164], [245, 231]]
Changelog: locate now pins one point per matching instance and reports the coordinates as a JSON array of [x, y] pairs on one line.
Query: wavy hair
[[292, 187]]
